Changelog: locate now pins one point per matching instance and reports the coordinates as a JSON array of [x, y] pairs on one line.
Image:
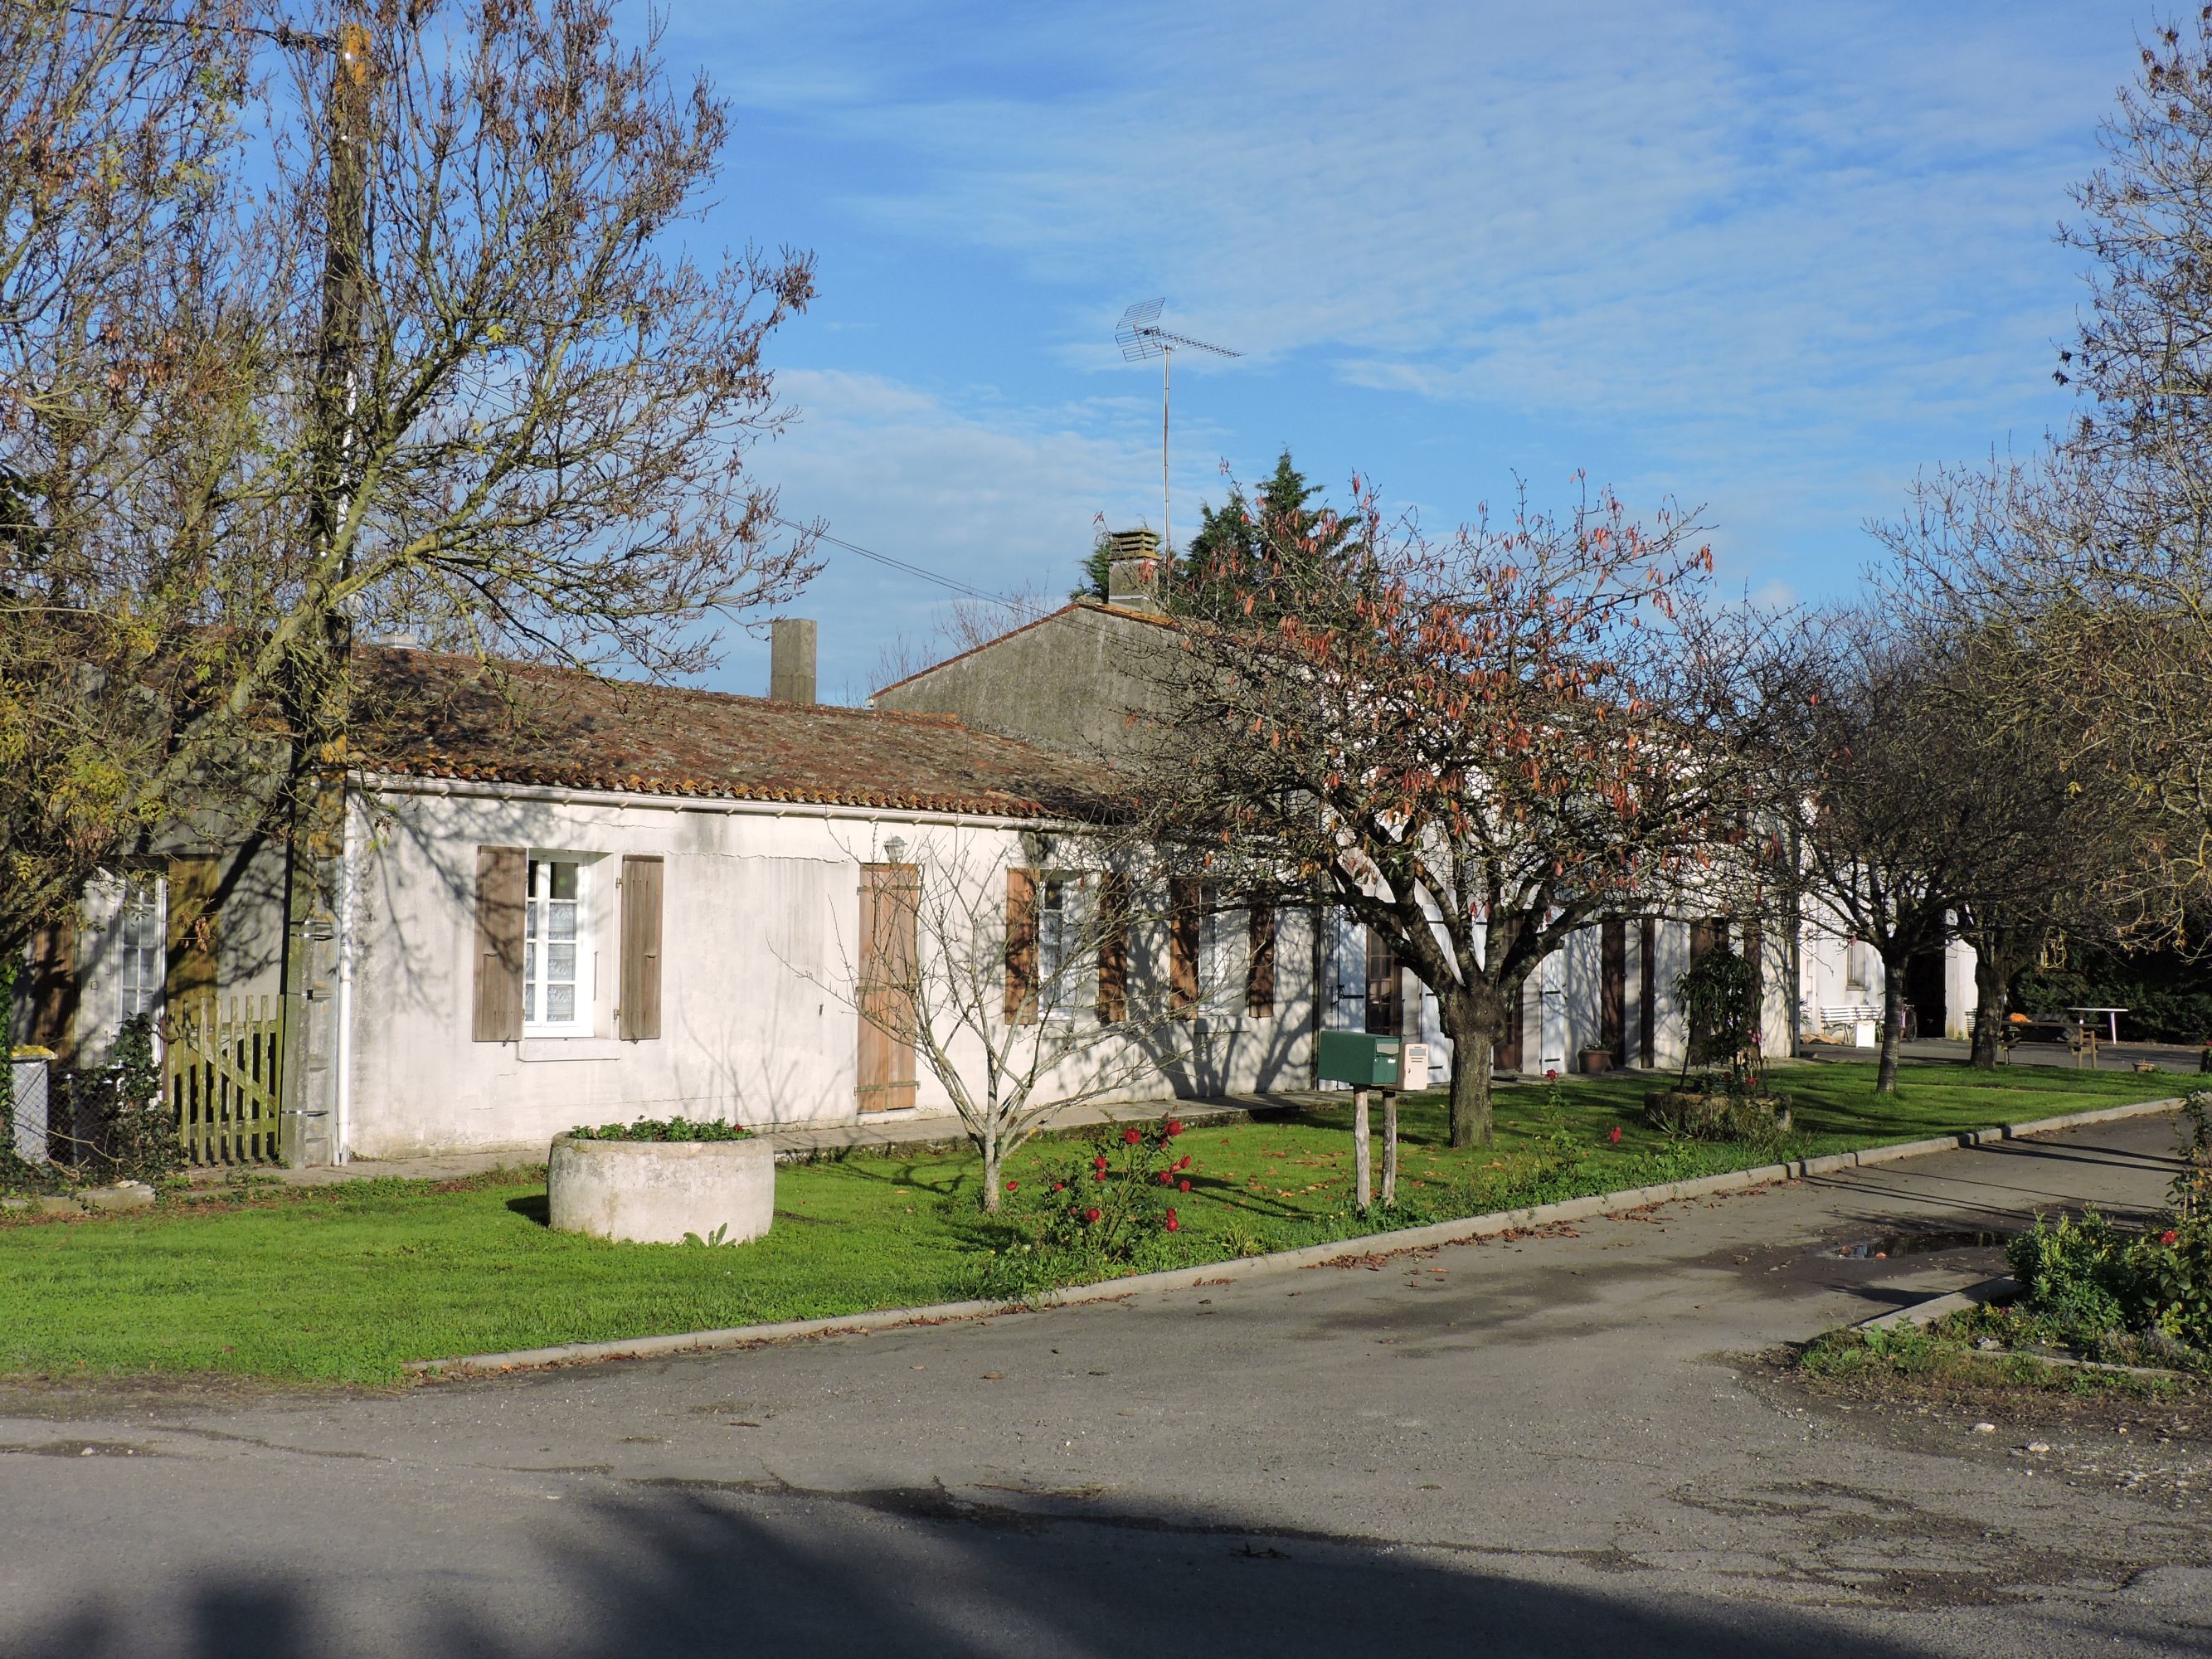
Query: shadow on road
[[694, 1570]]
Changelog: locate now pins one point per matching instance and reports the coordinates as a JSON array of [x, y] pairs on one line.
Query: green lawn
[[346, 1283]]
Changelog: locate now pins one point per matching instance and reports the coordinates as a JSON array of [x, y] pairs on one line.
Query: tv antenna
[[1141, 336]]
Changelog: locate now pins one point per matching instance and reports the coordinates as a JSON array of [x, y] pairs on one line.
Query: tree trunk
[[1992, 1001], [1473, 1056], [1893, 1026], [993, 1186]]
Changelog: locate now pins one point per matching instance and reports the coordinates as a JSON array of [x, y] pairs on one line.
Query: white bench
[[1862, 1019]]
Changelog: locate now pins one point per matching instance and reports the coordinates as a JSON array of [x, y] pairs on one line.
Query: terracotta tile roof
[[427, 714]]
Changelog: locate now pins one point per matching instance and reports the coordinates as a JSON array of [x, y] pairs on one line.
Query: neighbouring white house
[[1081, 681]]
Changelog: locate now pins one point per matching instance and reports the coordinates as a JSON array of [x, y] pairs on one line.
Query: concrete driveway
[[1552, 1445]]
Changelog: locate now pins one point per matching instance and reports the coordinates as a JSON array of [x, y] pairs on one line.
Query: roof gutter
[[401, 783]]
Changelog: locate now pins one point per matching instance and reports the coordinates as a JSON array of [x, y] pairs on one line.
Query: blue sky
[[1765, 260]]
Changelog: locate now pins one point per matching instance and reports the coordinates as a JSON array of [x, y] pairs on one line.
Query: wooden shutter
[[1754, 949], [1612, 986], [1186, 904], [190, 970], [1112, 948], [1022, 946], [1508, 1057], [1260, 961], [502, 872], [1647, 1012], [54, 988], [890, 905], [637, 1015]]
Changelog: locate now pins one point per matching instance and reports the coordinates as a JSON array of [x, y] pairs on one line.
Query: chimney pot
[[791, 660], [1133, 569]]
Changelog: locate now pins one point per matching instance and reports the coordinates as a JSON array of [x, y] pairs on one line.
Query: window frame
[[145, 891], [535, 933]]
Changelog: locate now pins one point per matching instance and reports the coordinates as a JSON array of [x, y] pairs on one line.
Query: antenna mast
[[1140, 336]]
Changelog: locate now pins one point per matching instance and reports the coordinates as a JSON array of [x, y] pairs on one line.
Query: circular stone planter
[[654, 1192], [1716, 1117]]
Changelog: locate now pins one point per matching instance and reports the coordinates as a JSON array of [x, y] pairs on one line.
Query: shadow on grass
[[532, 1207]]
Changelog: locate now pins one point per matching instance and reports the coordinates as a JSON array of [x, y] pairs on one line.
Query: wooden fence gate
[[220, 1071]]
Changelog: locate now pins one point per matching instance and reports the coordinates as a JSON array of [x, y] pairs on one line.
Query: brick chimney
[[791, 660], [1133, 569]]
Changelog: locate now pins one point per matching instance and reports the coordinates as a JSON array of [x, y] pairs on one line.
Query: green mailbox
[[1363, 1061]]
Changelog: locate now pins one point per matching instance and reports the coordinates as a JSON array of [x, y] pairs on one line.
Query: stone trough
[[655, 1192]]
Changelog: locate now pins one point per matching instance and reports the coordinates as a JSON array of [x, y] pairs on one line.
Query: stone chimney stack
[[1132, 570], [791, 660]]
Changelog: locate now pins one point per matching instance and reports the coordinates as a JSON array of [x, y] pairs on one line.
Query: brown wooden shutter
[[890, 907], [1260, 961], [637, 1015], [1755, 950], [1021, 946], [190, 969], [1647, 997], [502, 872], [1112, 948], [1185, 903], [1612, 987], [54, 987]]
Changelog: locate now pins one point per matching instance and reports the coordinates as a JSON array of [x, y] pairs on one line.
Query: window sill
[[533, 1049]]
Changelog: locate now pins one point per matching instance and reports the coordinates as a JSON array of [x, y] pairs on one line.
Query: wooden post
[[1390, 1148], [1360, 1153]]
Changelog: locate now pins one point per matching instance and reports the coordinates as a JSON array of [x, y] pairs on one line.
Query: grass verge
[[344, 1284]]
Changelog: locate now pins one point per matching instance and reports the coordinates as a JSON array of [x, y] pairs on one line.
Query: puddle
[[1919, 1243]]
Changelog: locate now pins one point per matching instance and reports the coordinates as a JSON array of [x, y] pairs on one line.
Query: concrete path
[[1553, 1445]]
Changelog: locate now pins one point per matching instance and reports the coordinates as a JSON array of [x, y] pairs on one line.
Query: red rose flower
[[1099, 1162], [1616, 1136], [1185, 1185], [1098, 1175], [1012, 1186], [1551, 1074], [1174, 1225], [1059, 1186], [1133, 1136], [1185, 1163], [1173, 1128], [2169, 1236], [1167, 1178], [1090, 1215]]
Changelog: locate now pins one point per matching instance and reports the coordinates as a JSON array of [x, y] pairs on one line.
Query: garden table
[[2113, 1014]]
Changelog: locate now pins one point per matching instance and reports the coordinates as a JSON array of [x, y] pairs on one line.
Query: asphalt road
[[1553, 1445]]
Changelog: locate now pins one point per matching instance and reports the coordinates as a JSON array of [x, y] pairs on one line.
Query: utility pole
[[315, 679]]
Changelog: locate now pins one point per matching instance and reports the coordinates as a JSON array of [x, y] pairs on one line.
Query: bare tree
[[960, 626], [1475, 746], [1020, 977], [453, 373], [2098, 555]]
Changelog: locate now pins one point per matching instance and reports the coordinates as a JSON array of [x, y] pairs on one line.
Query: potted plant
[[1597, 1058], [662, 1182]]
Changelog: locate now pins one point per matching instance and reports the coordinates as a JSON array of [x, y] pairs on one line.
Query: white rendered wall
[[760, 916]]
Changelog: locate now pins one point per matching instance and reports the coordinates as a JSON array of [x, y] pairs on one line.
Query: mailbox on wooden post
[[1363, 1061], [1371, 1062]]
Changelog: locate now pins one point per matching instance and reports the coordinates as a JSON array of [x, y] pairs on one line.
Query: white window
[[557, 958], [141, 940], [1058, 928], [1222, 952], [1858, 965]]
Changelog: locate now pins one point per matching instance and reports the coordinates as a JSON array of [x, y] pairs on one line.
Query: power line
[[907, 568], [283, 34]]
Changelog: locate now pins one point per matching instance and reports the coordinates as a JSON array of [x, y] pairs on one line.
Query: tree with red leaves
[[1476, 745]]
